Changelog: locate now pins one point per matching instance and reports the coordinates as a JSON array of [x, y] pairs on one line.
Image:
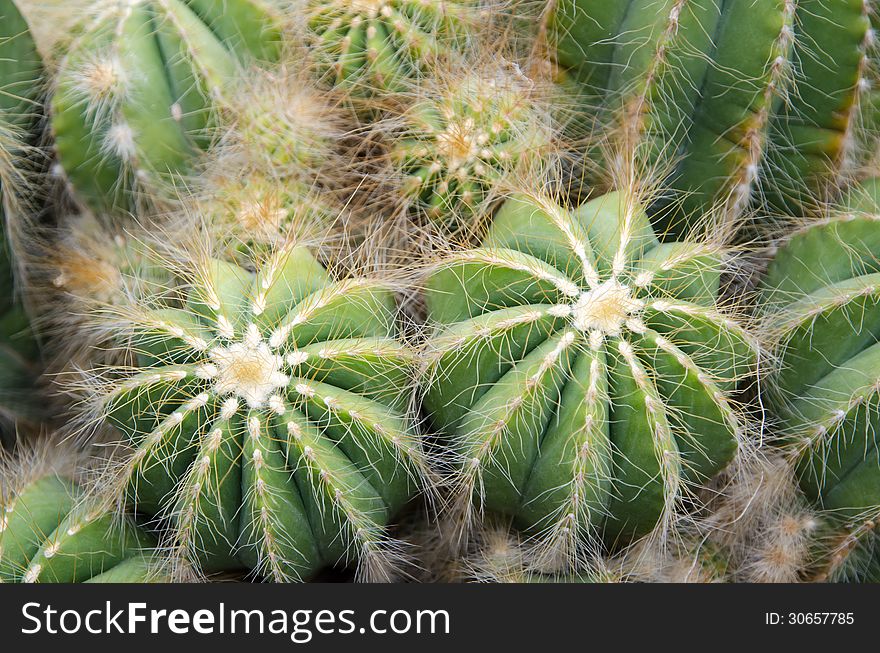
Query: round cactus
[[728, 93], [268, 417], [583, 371], [464, 135], [50, 534], [822, 297], [140, 86], [376, 45]]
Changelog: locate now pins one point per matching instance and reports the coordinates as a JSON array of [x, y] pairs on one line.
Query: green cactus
[[739, 96], [822, 299], [583, 372], [268, 417], [21, 88], [140, 87], [49, 533], [465, 134], [372, 46]]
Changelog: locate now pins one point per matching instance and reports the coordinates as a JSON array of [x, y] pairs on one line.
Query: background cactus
[[140, 87], [375, 46], [823, 320], [741, 97], [49, 534], [268, 417], [464, 134], [21, 81], [583, 372]]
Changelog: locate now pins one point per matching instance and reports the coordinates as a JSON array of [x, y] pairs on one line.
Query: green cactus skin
[[372, 46], [268, 419], [461, 139], [733, 91], [48, 536], [139, 89], [21, 87], [821, 295], [582, 370]]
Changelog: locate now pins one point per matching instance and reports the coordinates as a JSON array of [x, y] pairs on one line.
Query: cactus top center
[[249, 370], [460, 143], [605, 308]]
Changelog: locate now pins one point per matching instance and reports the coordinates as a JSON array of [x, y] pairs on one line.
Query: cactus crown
[[583, 370], [267, 416]]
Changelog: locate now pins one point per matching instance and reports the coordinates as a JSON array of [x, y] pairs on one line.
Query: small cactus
[[464, 134], [267, 417], [49, 533], [583, 372], [140, 86], [372, 46]]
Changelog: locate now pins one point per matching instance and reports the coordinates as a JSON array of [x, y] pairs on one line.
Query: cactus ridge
[[738, 96], [268, 418], [140, 86], [583, 371]]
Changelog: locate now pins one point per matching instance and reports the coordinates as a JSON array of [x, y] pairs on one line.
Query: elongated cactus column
[[822, 293], [740, 96], [268, 418], [139, 89], [583, 372]]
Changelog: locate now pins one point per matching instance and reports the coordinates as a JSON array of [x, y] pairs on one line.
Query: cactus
[[21, 79], [267, 416], [823, 321], [375, 46], [583, 372], [739, 94], [141, 85], [276, 166], [464, 134], [50, 534]]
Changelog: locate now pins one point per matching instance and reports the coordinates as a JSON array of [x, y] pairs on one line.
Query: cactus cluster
[[439, 290]]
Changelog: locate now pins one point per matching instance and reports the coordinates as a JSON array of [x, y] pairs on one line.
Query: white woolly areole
[[248, 370], [605, 308]]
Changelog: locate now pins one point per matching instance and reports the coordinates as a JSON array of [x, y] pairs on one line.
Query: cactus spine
[[583, 372]]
